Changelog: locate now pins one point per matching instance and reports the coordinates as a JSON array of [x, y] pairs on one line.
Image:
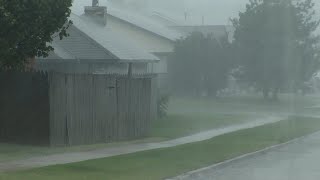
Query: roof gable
[[141, 21], [118, 46], [79, 46], [145, 23]]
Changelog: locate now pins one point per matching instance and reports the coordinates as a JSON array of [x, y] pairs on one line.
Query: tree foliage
[[276, 43], [27, 26], [200, 63]]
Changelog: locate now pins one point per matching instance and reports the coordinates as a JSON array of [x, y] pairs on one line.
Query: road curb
[[195, 173]]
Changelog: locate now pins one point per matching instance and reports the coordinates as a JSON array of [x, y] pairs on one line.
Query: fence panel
[[90, 109]]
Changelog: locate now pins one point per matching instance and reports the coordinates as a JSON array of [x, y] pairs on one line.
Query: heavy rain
[[168, 90]]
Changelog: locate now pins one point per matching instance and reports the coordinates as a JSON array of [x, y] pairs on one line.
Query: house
[[95, 87], [141, 30], [218, 31], [153, 30]]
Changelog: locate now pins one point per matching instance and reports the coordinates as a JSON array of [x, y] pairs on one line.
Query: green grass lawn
[[183, 124], [245, 104], [162, 163], [186, 116], [173, 126], [177, 124], [9, 152]]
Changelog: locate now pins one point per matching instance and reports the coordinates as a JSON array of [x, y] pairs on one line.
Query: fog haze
[[212, 11]]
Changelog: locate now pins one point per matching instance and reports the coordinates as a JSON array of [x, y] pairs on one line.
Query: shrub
[[163, 103]]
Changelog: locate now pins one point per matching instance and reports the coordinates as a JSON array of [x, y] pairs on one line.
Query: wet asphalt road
[[297, 161]]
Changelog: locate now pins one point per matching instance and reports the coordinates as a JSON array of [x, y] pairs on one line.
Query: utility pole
[[202, 20]]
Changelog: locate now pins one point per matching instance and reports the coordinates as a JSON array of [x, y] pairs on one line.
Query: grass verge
[[171, 127], [179, 125], [245, 104], [162, 163], [11, 152]]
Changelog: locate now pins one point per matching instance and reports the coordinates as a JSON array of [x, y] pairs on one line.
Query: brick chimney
[[95, 3], [98, 13]]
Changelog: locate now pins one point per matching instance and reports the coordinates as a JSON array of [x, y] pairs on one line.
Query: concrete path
[[294, 161], [65, 158]]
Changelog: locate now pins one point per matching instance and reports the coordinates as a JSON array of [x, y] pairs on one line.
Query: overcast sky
[[213, 11]]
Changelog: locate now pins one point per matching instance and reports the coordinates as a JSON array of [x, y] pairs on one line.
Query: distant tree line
[[275, 46], [200, 63]]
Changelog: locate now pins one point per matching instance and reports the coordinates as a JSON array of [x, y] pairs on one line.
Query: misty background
[[209, 12], [188, 79]]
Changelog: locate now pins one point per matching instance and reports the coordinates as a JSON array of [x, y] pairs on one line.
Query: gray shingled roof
[[145, 23], [117, 45], [79, 46], [141, 21], [91, 41]]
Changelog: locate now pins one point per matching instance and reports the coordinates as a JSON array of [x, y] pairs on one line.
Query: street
[[296, 161]]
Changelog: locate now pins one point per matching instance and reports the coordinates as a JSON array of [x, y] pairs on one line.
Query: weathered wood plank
[[89, 109]]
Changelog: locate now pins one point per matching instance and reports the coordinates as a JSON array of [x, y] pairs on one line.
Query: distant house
[[95, 87], [218, 31]]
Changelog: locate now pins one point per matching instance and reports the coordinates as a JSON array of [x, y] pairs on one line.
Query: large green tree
[[27, 26], [276, 43], [200, 63]]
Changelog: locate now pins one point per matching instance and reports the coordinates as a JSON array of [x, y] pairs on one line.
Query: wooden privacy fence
[[87, 108]]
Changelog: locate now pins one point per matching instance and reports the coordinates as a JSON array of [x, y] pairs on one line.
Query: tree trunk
[[265, 93], [275, 93]]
